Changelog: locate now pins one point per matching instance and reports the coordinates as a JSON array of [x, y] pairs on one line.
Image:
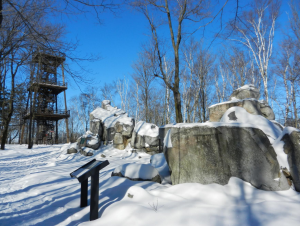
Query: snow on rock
[[163, 130], [238, 115], [247, 87], [145, 137], [247, 97], [89, 140], [86, 151], [278, 145], [146, 129], [158, 161], [234, 100], [108, 117], [167, 139], [287, 130], [108, 121], [72, 148], [105, 102], [138, 172], [268, 128], [246, 91], [278, 125]]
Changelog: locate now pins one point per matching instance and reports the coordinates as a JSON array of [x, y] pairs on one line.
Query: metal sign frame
[[90, 169]]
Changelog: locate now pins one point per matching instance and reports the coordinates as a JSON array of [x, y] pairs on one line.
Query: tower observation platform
[[42, 111]]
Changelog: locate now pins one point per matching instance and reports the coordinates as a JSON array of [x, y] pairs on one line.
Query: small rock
[[72, 150], [130, 196]]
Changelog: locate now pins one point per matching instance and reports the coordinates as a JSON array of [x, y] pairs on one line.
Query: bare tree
[[171, 11], [199, 63], [143, 76], [16, 44], [123, 91], [255, 29]]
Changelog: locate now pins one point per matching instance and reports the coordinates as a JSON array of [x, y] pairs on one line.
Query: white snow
[[247, 87], [92, 141], [168, 125], [88, 150], [106, 102], [255, 121], [111, 116], [233, 100], [135, 171], [159, 162], [36, 189], [244, 119], [167, 139], [278, 147], [146, 129]]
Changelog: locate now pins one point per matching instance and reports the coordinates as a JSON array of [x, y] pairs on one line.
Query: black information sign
[[91, 169]]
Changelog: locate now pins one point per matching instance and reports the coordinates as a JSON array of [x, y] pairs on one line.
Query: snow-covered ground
[[36, 189]]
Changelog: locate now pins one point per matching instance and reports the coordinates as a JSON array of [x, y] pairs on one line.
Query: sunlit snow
[[36, 189]]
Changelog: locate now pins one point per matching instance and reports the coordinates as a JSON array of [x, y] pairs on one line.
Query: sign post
[[91, 169]]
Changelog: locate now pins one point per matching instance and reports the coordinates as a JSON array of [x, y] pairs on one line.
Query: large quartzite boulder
[[145, 136], [245, 92], [214, 153], [292, 149]]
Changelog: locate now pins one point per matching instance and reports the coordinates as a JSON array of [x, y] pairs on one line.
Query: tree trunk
[[1, 14], [177, 100], [294, 103], [9, 112]]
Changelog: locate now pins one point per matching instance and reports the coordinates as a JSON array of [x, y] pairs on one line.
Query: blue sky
[[118, 41]]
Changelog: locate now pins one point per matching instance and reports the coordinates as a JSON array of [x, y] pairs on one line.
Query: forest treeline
[[178, 73]]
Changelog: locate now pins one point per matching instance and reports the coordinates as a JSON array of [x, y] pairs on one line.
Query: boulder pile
[[110, 125], [246, 97]]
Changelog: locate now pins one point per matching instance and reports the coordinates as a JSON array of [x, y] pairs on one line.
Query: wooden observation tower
[[43, 113]]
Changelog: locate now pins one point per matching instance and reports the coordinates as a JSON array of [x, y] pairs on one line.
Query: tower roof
[[49, 59]]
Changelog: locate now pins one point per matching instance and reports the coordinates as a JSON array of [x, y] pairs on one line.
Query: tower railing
[[49, 112], [49, 82]]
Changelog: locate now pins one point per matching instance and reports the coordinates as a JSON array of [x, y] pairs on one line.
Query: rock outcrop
[[292, 149], [245, 97], [213, 154], [112, 125]]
